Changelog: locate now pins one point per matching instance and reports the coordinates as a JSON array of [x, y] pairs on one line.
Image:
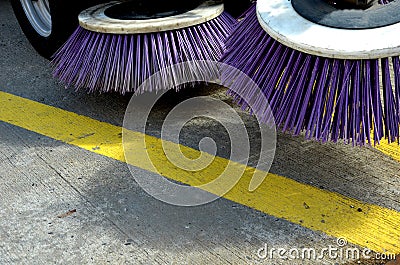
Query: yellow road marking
[[392, 150], [360, 223]]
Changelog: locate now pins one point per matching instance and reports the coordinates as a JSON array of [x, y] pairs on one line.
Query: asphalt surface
[[115, 220]]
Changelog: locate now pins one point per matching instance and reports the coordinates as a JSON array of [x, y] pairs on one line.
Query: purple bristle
[[327, 99], [103, 62]]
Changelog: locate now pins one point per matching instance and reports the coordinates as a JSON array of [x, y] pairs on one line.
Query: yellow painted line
[[392, 150], [360, 223]]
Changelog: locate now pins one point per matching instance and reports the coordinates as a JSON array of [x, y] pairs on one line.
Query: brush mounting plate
[[96, 19], [149, 9], [281, 21], [323, 13]]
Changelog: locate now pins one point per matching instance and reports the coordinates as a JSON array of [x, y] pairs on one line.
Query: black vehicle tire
[[48, 23]]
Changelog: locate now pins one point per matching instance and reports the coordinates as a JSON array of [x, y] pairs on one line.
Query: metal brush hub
[[349, 14], [149, 9], [351, 4], [283, 23], [148, 16]]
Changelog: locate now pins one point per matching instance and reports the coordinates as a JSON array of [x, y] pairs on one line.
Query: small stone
[[128, 242]]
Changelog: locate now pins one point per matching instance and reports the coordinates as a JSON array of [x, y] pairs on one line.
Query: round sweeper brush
[[328, 68], [118, 45]]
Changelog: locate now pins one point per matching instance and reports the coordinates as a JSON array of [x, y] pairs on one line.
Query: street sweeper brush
[[118, 45], [329, 69]]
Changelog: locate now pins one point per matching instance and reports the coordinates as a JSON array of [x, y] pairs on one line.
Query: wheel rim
[[38, 14]]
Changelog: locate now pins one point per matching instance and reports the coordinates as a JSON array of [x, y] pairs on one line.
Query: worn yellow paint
[[392, 150], [360, 223]]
